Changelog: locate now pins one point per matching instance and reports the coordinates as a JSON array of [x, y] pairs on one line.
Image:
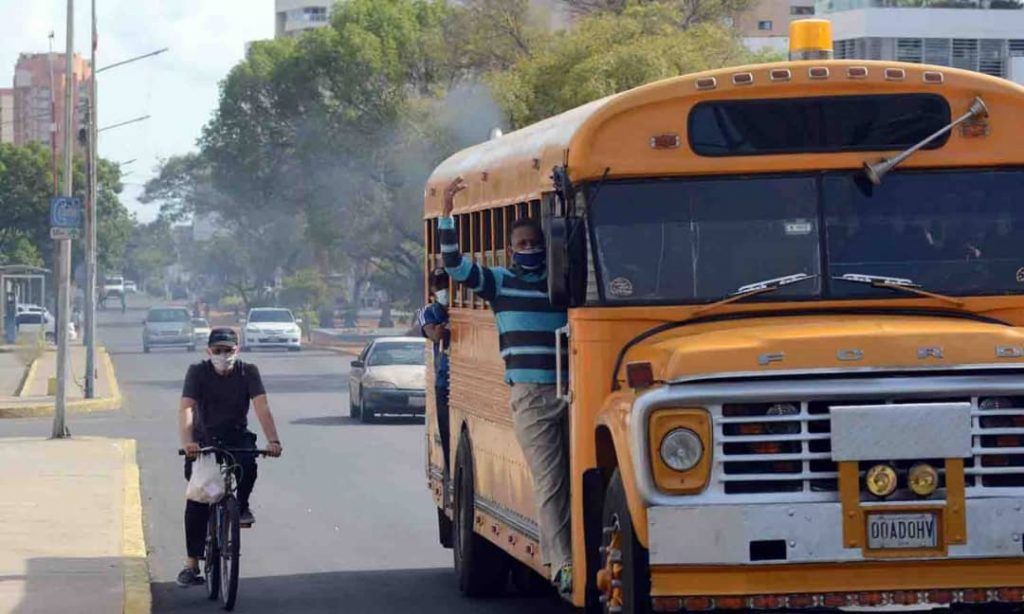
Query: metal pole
[[125, 123], [60, 429], [90, 230]]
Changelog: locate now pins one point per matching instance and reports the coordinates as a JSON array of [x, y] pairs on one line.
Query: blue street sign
[[65, 212]]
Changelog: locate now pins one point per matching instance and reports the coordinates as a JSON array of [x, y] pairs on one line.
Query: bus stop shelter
[[20, 283]]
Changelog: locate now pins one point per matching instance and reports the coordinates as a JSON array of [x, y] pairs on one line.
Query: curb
[[41, 410], [137, 596], [30, 372]]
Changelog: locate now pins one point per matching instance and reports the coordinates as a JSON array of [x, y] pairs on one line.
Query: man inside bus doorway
[[526, 331], [433, 321]]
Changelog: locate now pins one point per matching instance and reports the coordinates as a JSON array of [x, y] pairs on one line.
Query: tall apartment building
[[6, 115], [982, 35], [765, 25], [35, 75], [296, 16]]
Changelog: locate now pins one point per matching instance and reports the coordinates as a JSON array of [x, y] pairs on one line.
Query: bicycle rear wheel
[[211, 557], [231, 534]]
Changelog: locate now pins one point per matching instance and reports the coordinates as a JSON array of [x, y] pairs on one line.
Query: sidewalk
[[71, 539], [32, 398]]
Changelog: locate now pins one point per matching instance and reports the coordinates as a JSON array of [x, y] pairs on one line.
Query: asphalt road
[[344, 520]]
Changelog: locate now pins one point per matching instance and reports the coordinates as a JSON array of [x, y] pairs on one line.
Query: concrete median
[[34, 397]]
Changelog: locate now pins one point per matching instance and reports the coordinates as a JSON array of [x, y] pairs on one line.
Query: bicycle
[[223, 533]]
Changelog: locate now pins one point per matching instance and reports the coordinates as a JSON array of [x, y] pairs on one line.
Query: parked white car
[[130, 286], [33, 323], [388, 377], [270, 327]]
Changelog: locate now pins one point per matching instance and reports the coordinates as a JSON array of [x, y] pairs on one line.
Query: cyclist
[[214, 404]]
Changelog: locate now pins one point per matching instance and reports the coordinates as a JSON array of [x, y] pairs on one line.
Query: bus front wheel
[[623, 579], [481, 567]]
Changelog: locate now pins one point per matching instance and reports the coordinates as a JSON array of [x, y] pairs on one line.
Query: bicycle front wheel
[[230, 540]]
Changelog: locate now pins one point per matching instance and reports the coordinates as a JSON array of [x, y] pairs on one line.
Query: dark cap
[[223, 336]]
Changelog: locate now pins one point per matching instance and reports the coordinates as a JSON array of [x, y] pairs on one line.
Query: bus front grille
[[785, 447]]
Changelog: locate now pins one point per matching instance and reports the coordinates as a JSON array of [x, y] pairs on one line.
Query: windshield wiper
[[876, 171], [754, 289], [897, 284]]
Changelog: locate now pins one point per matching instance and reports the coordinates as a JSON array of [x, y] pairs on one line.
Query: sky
[[178, 89]]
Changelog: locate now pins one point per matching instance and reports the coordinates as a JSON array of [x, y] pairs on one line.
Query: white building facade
[[981, 35], [293, 17]]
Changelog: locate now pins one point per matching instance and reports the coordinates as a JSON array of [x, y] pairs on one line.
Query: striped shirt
[[519, 299]]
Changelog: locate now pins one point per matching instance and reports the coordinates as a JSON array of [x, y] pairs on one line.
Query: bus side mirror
[[567, 261]]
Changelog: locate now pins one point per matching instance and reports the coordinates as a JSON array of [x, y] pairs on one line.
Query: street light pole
[[89, 334], [60, 429], [90, 238]]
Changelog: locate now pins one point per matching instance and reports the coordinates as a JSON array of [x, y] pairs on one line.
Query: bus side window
[[474, 249], [463, 232]]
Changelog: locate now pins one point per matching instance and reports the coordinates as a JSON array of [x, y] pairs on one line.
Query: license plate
[[417, 401], [893, 531]]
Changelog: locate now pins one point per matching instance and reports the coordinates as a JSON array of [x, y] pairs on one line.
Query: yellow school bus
[[796, 367]]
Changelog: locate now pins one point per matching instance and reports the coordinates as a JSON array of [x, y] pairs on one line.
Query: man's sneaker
[[189, 577], [245, 517], [563, 579]]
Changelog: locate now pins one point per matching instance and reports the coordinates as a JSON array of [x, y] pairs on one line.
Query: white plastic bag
[[206, 484]]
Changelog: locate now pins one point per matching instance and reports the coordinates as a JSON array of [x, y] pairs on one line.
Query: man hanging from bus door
[[526, 323], [433, 323]]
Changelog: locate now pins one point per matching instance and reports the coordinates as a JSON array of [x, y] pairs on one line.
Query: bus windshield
[[677, 241]]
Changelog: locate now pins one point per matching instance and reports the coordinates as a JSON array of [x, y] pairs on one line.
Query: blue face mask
[[531, 260]]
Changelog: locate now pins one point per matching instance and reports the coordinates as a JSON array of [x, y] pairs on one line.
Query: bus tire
[[619, 540], [481, 568]]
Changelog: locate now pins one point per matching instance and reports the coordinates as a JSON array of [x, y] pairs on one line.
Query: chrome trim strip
[[713, 393], [515, 520], [764, 373]]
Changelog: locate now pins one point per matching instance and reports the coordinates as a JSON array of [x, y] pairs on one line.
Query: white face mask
[[223, 362], [441, 296]]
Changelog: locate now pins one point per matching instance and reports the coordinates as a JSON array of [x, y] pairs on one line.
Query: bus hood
[[829, 343]]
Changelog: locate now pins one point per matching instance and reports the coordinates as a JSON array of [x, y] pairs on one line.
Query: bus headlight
[[681, 449]]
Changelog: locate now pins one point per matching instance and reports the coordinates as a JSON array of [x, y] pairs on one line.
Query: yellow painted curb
[[27, 379], [137, 596], [108, 371]]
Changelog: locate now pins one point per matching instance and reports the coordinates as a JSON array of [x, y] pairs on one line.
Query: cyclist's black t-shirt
[[222, 401]]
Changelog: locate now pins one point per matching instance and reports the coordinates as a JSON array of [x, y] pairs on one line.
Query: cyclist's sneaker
[[245, 516], [189, 577]]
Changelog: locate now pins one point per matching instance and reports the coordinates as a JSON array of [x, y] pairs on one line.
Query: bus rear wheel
[[481, 567], [623, 578]]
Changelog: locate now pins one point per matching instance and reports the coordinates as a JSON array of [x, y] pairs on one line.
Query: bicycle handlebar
[[214, 449]]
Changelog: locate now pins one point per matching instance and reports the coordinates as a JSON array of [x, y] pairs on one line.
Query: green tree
[[607, 53], [149, 252], [685, 13], [26, 185]]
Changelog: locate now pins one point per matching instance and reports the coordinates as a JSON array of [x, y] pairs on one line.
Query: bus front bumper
[[765, 556]]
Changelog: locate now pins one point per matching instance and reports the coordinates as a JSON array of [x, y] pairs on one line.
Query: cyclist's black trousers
[[197, 515]]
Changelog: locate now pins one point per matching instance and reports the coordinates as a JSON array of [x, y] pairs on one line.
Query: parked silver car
[[167, 327], [388, 377]]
